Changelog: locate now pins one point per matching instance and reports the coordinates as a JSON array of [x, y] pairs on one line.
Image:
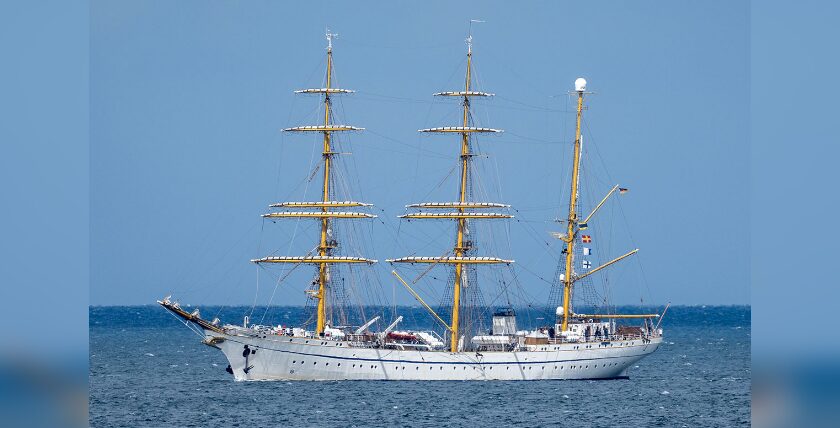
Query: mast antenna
[[469, 34], [330, 37]]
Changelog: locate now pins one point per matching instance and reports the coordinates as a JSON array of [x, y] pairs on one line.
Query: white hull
[[287, 358]]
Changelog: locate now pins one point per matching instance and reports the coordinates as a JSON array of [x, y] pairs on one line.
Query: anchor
[[245, 353]]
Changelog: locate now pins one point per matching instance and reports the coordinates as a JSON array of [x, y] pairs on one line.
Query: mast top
[[469, 35], [580, 84], [330, 36]]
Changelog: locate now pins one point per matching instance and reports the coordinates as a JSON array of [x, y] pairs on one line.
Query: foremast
[[322, 210], [462, 208]]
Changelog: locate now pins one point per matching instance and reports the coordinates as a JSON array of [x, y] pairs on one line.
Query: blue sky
[[186, 100]]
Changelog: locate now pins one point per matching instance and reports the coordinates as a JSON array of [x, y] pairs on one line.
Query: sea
[[147, 369]]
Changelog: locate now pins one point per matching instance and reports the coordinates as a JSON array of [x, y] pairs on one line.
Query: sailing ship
[[573, 346]]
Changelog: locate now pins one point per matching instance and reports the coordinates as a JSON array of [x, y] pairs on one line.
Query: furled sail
[[313, 259], [318, 214], [327, 204], [324, 91], [323, 128], [451, 259], [463, 94], [456, 215], [459, 129], [457, 205]]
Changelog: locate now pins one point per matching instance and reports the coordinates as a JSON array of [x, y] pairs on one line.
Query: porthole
[[339, 364], [294, 361]]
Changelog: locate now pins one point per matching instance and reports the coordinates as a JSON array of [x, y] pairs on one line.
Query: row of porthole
[[322, 343], [465, 367], [544, 349], [339, 364], [557, 348]]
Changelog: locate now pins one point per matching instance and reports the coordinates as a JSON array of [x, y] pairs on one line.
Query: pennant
[[586, 239], [583, 225], [587, 251], [587, 264], [623, 190]]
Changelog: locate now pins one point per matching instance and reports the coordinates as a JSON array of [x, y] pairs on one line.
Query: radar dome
[[559, 311], [580, 84]]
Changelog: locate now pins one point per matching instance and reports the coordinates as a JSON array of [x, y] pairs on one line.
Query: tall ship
[[474, 340]]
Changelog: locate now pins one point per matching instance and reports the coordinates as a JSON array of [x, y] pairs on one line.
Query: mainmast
[[327, 243], [462, 208]]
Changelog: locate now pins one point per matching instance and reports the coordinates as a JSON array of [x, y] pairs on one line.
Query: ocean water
[[148, 370]]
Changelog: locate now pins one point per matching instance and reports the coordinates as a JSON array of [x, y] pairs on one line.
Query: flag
[[587, 264], [586, 239], [623, 190], [583, 225], [587, 251]]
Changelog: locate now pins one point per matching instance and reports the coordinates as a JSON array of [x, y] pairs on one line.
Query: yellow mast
[[323, 247], [573, 225], [462, 197], [462, 208], [580, 88], [321, 209]]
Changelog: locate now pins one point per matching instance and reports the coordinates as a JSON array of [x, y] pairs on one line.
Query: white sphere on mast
[[580, 84]]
